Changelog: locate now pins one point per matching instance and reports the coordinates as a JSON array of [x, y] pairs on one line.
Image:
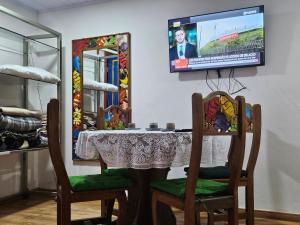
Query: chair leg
[[250, 202], [233, 213], [210, 218], [58, 210], [109, 209], [197, 218], [154, 209], [189, 217], [122, 220], [103, 208], [65, 213]]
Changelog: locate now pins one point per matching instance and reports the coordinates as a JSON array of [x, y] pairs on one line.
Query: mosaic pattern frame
[[122, 41]]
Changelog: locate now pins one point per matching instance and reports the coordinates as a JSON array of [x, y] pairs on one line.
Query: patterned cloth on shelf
[[21, 129], [19, 124], [43, 130], [44, 120], [13, 140], [44, 141], [89, 121]]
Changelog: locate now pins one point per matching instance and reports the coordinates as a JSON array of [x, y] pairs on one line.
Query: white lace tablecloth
[[140, 149]]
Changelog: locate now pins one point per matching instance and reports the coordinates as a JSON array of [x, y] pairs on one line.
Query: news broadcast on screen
[[227, 39]]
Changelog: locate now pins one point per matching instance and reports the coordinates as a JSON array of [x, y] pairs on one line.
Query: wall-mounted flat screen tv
[[219, 40]]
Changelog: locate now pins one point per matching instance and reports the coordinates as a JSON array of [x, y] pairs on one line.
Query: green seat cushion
[[98, 182], [116, 172], [177, 187], [217, 172]]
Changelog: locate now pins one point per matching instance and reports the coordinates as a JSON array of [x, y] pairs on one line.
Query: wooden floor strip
[[41, 210]]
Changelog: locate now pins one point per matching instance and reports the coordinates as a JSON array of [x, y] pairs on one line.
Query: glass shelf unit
[[22, 49], [14, 35]]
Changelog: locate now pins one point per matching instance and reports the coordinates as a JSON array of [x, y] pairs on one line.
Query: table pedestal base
[[139, 198]]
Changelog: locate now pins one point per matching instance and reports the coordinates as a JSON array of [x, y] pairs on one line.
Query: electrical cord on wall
[[232, 83], [235, 82], [216, 86]]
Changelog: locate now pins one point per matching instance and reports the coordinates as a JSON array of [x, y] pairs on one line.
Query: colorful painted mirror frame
[[122, 41]]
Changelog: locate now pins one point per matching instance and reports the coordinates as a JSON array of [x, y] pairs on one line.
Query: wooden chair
[[107, 206], [221, 173], [100, 126], [192, 194], [114, 110], [72, 189]]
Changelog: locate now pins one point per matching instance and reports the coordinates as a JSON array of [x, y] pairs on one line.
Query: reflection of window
[[112, 78]]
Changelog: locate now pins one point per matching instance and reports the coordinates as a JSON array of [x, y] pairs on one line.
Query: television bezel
[[262, 54]]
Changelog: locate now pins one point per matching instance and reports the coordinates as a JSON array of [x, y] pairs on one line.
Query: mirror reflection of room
[[101, 84], [100, 81]]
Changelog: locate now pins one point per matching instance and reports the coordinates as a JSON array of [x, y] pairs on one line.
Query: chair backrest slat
[[54, 145], [253, 126], [197, 138], [238, 148], [256, 130]]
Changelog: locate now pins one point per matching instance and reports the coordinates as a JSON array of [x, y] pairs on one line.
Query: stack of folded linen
[[43, 131], [89, 121], [20, 129]]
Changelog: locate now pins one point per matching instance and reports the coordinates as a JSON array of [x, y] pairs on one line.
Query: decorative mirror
[[101, 80]]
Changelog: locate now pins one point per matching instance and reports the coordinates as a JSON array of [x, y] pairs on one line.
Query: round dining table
[[148, 155]]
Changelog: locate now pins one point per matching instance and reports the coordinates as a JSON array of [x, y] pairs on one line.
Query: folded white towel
[[13, 111], [29, 73], [100, 86]]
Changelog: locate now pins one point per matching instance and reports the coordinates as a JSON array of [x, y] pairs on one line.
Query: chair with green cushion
[[116, 171], [203, 187], [217, 114], [222, 173], [72, 189], [100, 126], [107, 206]]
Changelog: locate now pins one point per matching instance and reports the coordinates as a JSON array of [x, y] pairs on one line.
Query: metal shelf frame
[[50, 33]]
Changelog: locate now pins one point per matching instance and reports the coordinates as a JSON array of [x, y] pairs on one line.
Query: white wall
[[160, 96]]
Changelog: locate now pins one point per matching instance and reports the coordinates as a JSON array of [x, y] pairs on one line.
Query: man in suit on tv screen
[[182, 49]]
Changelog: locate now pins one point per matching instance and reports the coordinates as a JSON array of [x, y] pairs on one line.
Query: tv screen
[[220, 40]]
